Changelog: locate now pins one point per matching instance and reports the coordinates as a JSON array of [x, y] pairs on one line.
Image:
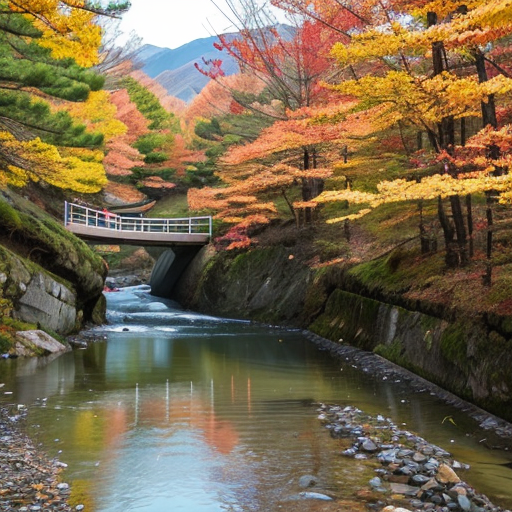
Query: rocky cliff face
[[47, 276], [470, 357]]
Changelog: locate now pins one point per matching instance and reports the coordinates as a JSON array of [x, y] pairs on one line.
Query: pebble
[[28, 479]]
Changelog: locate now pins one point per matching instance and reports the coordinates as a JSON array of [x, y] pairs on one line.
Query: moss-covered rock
[[47, 275]]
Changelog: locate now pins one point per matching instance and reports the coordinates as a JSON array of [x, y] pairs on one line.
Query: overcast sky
[[172, 23]]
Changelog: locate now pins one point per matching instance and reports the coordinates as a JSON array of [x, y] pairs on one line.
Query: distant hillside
[[186, 82], [156, 60], [170, 103], [174, 69]]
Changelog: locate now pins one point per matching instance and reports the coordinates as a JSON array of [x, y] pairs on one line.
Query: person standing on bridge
[[108, 217]]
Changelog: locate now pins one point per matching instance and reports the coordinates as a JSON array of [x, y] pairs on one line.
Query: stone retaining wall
[[468, 357]]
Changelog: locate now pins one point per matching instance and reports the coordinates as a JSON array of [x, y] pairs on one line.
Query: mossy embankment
[[443, 325], [48, 278]]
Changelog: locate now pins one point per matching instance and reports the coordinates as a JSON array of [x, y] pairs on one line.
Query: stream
[[177, 411]]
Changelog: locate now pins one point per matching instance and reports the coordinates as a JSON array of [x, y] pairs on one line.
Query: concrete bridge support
[[169, 267]]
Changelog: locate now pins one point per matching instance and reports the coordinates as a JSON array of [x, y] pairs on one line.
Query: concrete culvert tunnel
[[169, 268]]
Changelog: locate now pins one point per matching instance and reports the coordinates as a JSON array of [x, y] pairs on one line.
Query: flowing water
[[177, 411]]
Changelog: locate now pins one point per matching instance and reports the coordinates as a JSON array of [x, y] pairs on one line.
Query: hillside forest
[[373, 135]]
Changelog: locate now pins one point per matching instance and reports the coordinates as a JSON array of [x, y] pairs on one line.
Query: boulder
[[446, 475], [30, 343], [48, 303]]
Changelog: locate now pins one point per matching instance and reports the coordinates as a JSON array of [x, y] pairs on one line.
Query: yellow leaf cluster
[[485, 22], [40, 161], [68, 30], [431, 187], [421, 99], [98, 113]]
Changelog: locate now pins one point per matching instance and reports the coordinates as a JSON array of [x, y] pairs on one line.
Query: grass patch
[[171, 206]]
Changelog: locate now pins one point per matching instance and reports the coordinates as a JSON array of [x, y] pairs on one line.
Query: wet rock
[[307, 481], [375, 482], [307, 495], [419, 457]]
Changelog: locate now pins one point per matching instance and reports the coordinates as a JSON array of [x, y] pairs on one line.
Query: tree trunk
[[419, 140], [311, 187], [489, 106], [460, 230], [469, 215], [346, 229], [290, 206], [456, 253], [424, 238], [451, 256], [490, 221], [447, 134]]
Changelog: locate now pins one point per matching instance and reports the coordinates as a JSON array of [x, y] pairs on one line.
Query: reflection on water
[[179, 411]]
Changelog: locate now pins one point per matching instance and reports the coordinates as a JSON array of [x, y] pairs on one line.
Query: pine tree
[[44, 50]]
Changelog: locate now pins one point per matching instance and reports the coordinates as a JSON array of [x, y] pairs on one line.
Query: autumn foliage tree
[[448, 85], [290, 61], [45, 49]]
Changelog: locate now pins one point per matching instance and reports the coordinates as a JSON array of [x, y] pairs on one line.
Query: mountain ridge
[[175, 70]]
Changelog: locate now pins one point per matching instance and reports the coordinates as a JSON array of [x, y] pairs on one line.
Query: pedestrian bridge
[[106, 227]]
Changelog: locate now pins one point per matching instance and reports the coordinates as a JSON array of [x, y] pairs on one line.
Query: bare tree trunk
[[346, 229], [290, 206]]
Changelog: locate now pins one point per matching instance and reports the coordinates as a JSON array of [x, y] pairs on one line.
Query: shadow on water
[[181, 411]]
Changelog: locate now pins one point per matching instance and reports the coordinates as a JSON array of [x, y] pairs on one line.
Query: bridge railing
[[78, 214]]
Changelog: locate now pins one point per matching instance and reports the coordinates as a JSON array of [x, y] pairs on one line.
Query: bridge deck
[[109, 228]]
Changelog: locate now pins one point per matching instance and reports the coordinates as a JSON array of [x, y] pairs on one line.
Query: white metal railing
[[78, 214]]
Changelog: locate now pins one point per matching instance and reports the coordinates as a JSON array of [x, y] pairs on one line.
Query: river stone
[[419, 457], [27, 341], [375, 482], [446, 475], [405, 489], [464, 503], [307, 481], [314, 496], [369, 446], [420, 479]]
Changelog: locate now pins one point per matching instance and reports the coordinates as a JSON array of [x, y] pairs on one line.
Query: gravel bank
[[29, 480]]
